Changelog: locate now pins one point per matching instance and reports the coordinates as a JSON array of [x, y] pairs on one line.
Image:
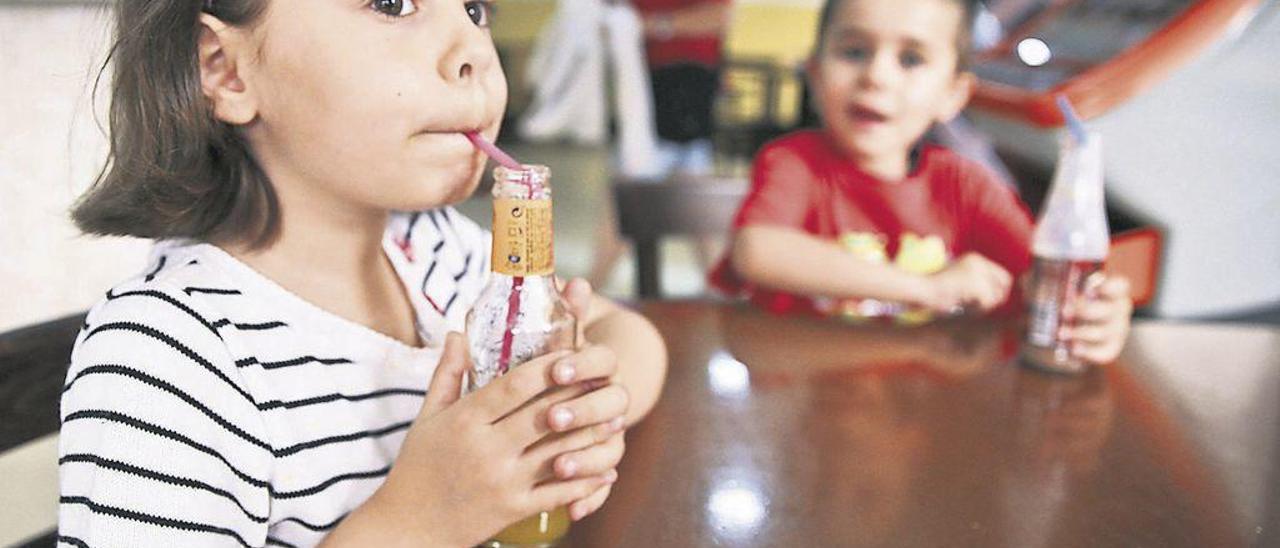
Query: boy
[[859, 219]]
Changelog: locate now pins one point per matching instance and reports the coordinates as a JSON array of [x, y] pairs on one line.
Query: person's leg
[[633, 100], [565, 70]]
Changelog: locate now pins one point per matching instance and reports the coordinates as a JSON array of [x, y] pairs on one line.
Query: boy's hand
[[970, 281], [1098, 327], [471, 466]]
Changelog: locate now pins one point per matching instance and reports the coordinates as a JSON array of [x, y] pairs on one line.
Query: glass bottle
[[1069, 245], [520, 314]]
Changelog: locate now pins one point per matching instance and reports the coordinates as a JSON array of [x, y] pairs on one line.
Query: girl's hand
[[601, 455], [1098, 328], [471, 466], [970, 281]]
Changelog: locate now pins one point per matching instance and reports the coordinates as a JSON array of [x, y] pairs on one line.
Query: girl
[[266, 381]]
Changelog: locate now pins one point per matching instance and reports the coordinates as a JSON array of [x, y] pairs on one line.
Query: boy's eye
[[480, 11], [911, 59], [854, 53], [394, 8]]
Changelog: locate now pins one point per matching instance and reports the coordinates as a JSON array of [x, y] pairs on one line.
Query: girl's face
[[362, 103], [885, 72]]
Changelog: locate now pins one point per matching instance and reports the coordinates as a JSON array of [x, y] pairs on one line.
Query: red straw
[[493, 151]]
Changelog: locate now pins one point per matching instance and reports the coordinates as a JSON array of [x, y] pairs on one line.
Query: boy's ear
[[813, 75], [957, 97], [220, 51]]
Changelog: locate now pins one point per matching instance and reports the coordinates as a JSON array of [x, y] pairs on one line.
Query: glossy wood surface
[[789, 432]]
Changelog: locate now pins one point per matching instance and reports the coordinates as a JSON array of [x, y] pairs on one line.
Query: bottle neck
[[522, 224]]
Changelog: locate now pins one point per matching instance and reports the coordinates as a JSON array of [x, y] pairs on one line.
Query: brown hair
[[964, 40], [174, 171]]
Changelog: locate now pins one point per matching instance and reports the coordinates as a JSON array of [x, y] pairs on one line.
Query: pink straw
[[493, 151], [513, 299]]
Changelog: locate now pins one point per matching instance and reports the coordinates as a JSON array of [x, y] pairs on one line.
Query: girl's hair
[[174, 171], [964, 34]]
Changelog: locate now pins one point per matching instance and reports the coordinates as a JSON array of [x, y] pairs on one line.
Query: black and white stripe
[[206, 405]]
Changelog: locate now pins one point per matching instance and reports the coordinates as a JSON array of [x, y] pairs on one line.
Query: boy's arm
[[796, 262], [793, 261]]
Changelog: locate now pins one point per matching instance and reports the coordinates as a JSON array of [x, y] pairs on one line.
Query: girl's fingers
[[585, 507], [581, 438], [592, 461], [562, 493], [591, 362], [578, 294], [595, 407], [590, 370], [528, 426], [531, 424], [446, 383], [512, 391]]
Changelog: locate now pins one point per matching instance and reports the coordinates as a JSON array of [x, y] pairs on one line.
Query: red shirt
[[946, 207], [699, 49]]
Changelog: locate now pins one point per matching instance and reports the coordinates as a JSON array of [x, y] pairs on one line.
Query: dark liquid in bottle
[[1055, 285]]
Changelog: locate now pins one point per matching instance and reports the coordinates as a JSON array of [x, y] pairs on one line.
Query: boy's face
[[886, 71], [362, 104]]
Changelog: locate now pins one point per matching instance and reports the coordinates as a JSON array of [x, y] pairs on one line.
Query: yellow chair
[[764, 51]]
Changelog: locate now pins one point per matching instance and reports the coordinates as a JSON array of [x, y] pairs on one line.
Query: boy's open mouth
[[866, 115]]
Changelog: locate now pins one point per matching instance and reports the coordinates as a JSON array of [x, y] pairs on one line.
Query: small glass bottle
[[1069, 245], [520, 314]]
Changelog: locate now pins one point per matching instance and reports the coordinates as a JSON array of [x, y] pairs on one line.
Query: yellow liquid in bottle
[[541, 529]]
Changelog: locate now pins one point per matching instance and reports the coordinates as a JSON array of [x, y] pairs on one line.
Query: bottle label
[[522, 244]]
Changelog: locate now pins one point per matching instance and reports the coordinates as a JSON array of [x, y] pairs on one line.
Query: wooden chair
[[680, 206], [1137, 255]]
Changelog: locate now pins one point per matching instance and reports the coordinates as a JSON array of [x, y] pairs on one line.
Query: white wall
[[50, 149], [1200, 153]]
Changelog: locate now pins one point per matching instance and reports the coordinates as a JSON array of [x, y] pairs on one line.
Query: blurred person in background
[[860, 219]]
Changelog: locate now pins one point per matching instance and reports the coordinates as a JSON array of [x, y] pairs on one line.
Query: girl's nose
[[470, 55]]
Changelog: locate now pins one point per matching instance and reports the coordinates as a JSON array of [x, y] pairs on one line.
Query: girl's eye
[[394, 8], [480, 12], [911, 59]]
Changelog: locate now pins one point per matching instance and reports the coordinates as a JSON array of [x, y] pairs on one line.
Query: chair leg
[[647, 283]]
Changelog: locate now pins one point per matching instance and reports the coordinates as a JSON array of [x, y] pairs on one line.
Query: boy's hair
[[174, 171], [964, 34]]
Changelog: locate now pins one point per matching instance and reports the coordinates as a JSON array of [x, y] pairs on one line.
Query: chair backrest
[[1136, 254], [680, 206], [761, 83], [33, 366]]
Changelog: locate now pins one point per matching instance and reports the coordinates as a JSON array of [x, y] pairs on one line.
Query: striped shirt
[[207, 406]]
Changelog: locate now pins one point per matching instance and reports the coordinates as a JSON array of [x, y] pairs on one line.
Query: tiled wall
[[50, 149]]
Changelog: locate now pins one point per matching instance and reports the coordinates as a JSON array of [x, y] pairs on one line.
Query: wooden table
[[788, 432]]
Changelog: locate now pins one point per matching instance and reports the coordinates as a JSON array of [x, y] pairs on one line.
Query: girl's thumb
[[446, 383]]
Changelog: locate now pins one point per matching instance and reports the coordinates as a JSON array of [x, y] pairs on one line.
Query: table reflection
[[791, 432]]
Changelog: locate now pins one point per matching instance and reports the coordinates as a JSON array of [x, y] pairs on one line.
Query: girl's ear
[[221, 51], [957, 97]]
